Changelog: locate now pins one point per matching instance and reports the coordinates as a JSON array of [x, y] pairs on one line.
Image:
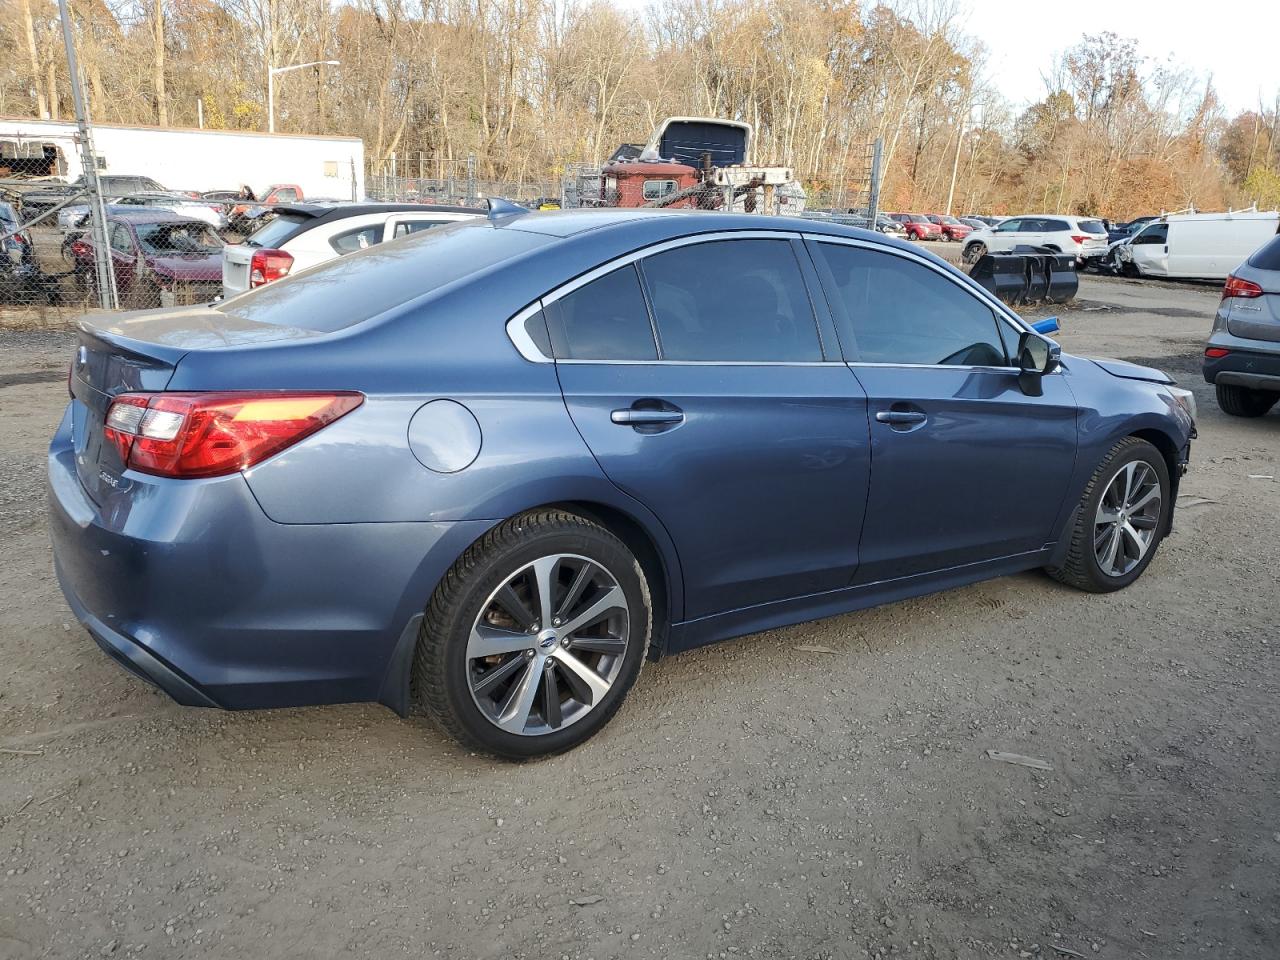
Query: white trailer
[[187, 159]]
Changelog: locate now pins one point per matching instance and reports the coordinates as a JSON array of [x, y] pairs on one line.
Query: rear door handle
[[631, 417], [900, 417]]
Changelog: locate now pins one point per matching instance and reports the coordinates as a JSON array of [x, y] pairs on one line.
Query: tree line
[[531, 86]]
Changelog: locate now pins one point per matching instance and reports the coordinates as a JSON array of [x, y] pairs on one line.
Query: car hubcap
[[548, 644], [1125, 525]]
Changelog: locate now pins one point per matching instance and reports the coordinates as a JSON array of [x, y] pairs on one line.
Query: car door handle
[[642, 417], [900, 417]]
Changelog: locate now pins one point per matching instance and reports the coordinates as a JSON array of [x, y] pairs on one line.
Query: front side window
[[1010, 226], [121, 241], [358, 239], [732, 300], [899, 311], [1156, 233], [605, 319], [655, 189]]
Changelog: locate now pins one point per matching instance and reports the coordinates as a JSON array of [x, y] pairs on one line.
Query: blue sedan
[[485, 472]]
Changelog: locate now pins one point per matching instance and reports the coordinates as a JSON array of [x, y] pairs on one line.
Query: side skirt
[[784, 613]]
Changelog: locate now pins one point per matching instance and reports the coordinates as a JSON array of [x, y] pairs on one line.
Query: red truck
[[245, 217]]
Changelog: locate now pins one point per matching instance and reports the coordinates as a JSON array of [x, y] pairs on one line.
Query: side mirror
[[1037, 356]]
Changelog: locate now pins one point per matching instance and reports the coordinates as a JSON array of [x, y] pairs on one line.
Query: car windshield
[[951, 220], [919, 218], [1092, 226], [277, 231], [164, 238]]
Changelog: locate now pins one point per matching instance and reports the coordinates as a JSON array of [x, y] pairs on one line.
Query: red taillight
[[1235, 287], [1216, 353], [268, 265], [80, 248], [187, 435], [1080, 238]]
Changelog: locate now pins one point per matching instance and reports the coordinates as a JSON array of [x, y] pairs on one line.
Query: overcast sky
[[1237, 41]]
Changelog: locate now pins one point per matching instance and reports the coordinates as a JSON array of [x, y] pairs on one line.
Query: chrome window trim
[[529, 350], [519, 336]]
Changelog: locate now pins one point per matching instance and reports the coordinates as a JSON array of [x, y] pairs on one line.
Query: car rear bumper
[[1250, 363], [191, 586]]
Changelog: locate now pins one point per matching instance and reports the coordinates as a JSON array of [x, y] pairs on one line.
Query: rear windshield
[[278, 230], [351, 289], [1268, 256], [1092, 226]]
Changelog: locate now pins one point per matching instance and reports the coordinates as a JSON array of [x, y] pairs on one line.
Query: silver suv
[[1242, 359]]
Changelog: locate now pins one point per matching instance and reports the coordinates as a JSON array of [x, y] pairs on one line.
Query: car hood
[[1132, 371]]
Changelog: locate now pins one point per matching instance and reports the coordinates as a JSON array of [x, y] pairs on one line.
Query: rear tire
[[1121, 519], [546, 687], [1243, 402]]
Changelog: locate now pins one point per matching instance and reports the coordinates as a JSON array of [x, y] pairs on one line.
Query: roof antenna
[[504, 208]]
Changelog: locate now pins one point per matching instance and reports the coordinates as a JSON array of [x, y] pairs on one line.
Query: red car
[[160, 259], [918, 226], [952, 229]]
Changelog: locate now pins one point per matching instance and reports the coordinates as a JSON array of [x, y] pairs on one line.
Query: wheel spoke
[[613, 599], [514, 715], [1144, 499], [580, 581], [551, 699], [544, 570], [611, 646], [496, 675], [587, 685], [519, 611], [1129, 470], [490, 641], [1107, 515], [1144, 523], [1113, 547]]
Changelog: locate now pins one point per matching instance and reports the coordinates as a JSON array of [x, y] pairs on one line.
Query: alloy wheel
[[1128, 514], [548, 644]]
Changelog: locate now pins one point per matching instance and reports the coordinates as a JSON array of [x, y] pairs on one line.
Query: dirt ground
[[752, 799]]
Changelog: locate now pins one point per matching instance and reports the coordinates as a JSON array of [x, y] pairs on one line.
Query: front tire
[[1121, 520], [974, 252], [534, 636], [1243, 402]]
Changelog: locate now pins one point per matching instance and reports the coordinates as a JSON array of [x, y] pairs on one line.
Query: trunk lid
[[139, 353]]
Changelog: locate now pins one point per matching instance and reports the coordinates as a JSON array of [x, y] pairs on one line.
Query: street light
[[271, 86]]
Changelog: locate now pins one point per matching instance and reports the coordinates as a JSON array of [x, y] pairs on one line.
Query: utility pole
[[102, 265], [873, 197], [955, 167]]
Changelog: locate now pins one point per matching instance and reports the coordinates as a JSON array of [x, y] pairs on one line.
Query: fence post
[[873, 201], [103, 268], [471, 178]]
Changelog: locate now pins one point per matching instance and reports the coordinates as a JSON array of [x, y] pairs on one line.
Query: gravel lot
[[753, 799]]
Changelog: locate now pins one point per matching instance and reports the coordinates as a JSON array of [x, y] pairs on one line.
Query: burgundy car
[[952, 229], [161, 259], [918, 226]]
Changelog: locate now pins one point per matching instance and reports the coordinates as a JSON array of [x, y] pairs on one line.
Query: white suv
[[304, 234], [1085, 238]]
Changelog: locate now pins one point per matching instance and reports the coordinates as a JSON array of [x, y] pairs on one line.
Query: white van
[[1200, 246]]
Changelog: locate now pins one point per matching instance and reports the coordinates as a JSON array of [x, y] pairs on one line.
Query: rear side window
[[605, 319], [1268, 256], [359, 239], [732, 300], [892, 310], [1053, 226], [406, 227], [279, 231]]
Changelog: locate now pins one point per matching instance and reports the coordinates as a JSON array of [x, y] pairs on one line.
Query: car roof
[[343, 208], [146, 215]]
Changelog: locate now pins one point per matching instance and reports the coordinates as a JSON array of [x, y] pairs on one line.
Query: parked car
[[159, 258], [886, 224], [974, 223], [1198, 246], [506, 458], [20, 277], [112, 185], [984, 220], [917, 226], [952, 228], [302, 235], [1125, 231], [73, 217], [1085, 238], [251, 213], [1242, 359]]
